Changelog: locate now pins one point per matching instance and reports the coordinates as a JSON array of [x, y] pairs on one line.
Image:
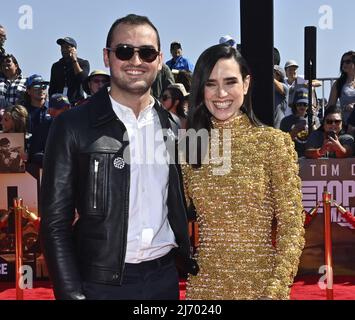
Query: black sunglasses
[[330, 121], [125, 52]]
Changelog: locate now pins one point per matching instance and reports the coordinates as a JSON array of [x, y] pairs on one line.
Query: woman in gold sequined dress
[[258, 183]]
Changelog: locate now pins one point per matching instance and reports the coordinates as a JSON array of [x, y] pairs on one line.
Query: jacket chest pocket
[[98, 181], [97, 184], [98, 162]]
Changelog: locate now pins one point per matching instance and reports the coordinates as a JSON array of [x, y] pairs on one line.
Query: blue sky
[[197, 24]]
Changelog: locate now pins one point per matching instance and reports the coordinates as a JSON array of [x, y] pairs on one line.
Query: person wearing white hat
[[291, 67], [296, 81], [95, 81]]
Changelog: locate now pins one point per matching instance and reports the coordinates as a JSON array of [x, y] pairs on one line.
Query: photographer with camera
[[330, 140]]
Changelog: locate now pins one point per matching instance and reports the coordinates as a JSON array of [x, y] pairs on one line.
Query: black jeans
[[152, 280]]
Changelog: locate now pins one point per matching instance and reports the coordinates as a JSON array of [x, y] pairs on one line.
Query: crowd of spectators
[[331, 134], [38, 101]]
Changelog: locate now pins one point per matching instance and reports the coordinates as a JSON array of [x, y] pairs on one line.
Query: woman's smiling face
[[225, 89]]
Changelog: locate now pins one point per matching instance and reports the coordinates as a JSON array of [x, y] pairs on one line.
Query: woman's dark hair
[[134, 20], [199, 116], [14, 60], [176, 95], [343, 76]]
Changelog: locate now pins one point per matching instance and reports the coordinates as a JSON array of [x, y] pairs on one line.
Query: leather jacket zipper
[[96, 171]]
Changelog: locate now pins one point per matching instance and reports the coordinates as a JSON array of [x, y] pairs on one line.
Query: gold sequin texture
[[235, 213]]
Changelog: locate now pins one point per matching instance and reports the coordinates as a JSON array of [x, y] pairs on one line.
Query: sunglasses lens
[[124, 52], [333, 121], [39, 87], [148, 54]]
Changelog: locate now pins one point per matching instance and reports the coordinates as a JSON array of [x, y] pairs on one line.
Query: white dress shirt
[[149, 233]]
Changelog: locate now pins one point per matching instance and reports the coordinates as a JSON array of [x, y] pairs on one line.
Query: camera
[[331, 134]]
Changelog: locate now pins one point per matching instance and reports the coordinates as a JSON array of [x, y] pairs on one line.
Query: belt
[[156, 263]]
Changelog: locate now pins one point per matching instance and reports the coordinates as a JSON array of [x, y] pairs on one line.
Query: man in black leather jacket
[[131, 225]]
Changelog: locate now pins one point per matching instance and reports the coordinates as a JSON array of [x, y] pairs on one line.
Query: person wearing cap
[[294, 81], [296, 124], [330, 140], [173, 100], [178, 62], [281, 96], [68, 74], [58, 103], [95, 81], [35, 101], [291, 67]]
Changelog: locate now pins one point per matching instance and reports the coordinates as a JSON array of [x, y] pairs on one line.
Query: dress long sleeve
[[287, 203]]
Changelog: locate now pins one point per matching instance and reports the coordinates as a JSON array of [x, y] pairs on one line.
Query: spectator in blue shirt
[[178, 62]]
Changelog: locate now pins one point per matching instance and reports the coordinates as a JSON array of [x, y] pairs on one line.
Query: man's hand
[[333, 144], [73, 54]]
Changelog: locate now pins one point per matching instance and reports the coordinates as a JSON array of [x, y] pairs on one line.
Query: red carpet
[[305, 288]]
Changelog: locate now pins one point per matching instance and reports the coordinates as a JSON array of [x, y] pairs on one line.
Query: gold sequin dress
[[235, 212]]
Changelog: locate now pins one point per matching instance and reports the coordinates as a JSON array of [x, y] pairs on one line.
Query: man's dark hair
[[14, 60], [131, 19], [174, 45]]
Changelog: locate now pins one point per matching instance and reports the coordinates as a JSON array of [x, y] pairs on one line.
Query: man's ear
[[160, 57], [106, 57]]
